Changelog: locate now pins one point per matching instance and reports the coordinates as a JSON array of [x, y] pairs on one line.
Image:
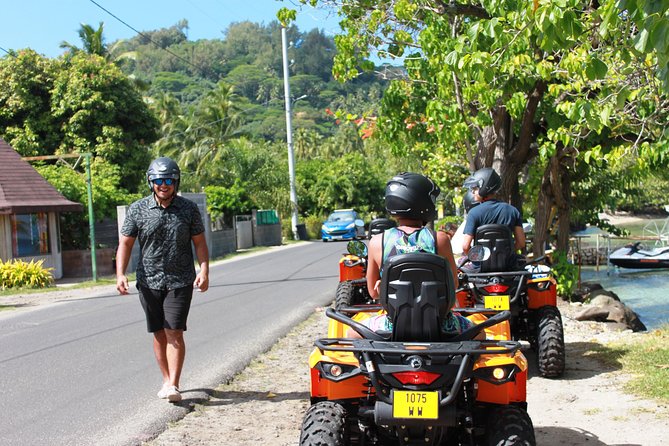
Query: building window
[[30, 234]]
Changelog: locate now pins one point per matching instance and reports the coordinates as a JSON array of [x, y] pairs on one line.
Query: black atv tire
[[510, 426], [324, 424], [345, 295], [550, 343]]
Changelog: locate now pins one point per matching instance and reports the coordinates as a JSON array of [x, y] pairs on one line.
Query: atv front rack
[[418, 348]]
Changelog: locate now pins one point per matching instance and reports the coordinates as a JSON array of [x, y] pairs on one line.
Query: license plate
[[412, 404], [499, 303], [337, 237]]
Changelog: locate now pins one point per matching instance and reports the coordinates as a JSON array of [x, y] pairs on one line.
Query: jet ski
[[635, 255]]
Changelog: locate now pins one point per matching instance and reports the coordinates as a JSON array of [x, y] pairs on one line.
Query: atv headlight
[[337, 372]]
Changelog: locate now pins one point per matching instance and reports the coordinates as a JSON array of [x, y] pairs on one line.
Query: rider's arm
[[444, 250], [466, 243], [374, 265]]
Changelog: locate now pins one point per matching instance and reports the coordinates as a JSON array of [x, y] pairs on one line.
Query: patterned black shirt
[[166, 256]]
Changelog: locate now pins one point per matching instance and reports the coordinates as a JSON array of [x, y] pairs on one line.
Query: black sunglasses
[[167, 181]]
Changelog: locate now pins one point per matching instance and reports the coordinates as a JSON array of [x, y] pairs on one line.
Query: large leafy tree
[[78, 104], [100, 111], [549, 89], [26, 121]]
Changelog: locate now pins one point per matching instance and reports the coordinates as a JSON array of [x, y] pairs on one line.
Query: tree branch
[[453, 8]]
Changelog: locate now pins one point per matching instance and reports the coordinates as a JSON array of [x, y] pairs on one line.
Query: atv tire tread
[[550, 343], [344, 295], [324, 424], [510, 426]]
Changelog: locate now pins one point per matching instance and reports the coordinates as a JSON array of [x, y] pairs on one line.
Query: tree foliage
[[554, 90]]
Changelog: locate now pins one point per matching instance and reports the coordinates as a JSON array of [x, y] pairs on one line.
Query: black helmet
[[411, 195], [469, 201], [163, 167], [486, 179]]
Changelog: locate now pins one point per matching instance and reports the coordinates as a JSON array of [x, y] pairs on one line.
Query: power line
[[145, 35]]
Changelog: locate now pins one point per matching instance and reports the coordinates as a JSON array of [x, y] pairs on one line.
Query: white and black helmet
[[163, 167], [412, 195], [486, 179]]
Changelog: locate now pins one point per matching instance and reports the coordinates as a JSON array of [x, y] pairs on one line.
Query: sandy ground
[[265, 403]]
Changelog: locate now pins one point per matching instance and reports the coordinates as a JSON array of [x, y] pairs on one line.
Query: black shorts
[[165, 308]]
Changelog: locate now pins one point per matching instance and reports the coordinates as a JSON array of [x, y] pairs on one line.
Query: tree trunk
[[498, 148], [555, 192]]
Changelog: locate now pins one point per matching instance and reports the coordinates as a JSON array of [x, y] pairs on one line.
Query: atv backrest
[[378, 225], [417, 291], [499, 239]]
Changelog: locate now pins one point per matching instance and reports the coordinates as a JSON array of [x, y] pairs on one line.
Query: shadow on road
[[221, 398], [583, 360], [564, 436]]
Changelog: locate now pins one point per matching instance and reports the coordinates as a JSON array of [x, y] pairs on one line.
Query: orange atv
[[528, 292], [417, 384], [352, 286]]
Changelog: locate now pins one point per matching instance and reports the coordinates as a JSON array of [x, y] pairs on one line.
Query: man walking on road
[[165, 225]]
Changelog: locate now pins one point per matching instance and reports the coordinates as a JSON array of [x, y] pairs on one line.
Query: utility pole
[[289, 135]]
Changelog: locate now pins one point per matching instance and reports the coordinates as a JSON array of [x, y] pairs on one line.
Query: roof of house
[[23, 190]]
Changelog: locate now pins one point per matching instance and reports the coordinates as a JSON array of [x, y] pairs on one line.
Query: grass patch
[[110, 280], [646, 359]]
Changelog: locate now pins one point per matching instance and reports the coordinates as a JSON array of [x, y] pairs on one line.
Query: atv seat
[[417, 291], [499, 239]]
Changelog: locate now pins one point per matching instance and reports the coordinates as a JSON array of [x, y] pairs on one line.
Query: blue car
[[343, 224]]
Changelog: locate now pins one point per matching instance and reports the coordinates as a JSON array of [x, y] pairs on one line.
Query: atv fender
[[541, 292], [346, 272], [511, 389]]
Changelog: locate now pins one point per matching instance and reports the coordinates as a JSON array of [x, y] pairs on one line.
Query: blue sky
[[43, 24]]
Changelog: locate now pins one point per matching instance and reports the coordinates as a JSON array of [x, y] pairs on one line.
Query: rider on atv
[[484, 184], [410, 198]]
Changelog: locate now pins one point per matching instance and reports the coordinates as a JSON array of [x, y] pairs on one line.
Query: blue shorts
[[165, 308]]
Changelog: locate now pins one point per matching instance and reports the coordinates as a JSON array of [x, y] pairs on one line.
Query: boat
[[635, 255]]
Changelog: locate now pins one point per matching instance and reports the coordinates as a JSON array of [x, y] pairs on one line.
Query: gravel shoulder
[[265, 403]]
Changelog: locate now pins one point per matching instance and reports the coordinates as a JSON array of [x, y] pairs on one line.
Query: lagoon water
[[644, 291]]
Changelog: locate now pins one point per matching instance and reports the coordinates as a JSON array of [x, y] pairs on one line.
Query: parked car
[[343, 224]]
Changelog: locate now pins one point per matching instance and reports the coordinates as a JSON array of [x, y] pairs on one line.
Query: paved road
[[81, 372]]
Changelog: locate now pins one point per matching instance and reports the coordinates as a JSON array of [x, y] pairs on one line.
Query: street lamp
[[289, 135]]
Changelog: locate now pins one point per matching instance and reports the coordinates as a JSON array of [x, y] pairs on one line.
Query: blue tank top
[[396, 241]]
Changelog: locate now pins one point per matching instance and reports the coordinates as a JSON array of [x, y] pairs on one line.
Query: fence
[[263, 228]]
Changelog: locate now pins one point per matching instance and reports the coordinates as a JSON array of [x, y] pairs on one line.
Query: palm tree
[[92, 39]]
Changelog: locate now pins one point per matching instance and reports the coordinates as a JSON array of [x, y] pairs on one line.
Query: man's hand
[[201, 282], [122, 284]]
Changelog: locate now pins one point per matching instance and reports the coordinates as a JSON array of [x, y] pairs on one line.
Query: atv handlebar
[[471, 332], [357, 326]]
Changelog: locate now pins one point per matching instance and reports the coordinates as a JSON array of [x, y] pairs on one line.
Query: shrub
[[21, 274], [566, 274], [313, 224]]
